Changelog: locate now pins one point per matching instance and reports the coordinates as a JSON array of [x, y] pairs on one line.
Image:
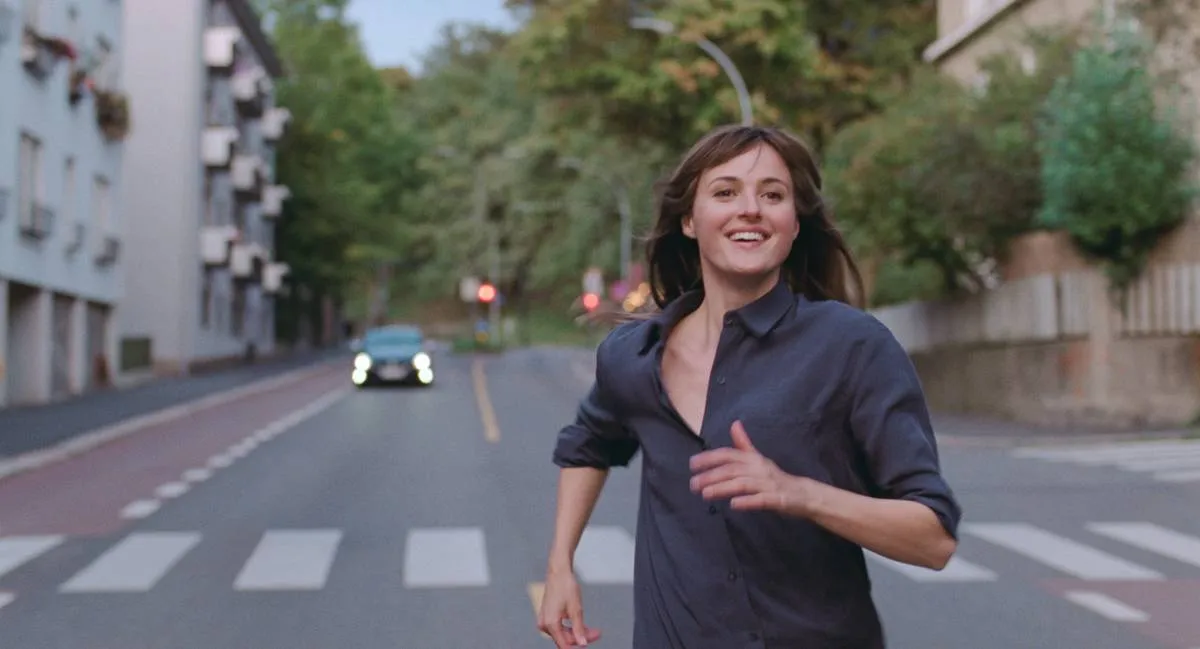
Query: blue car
[[393, 354]]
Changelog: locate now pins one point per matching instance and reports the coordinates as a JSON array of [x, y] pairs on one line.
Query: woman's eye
[[775, 196], [722, 193]]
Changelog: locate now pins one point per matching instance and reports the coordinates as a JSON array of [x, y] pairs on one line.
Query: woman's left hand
[[745, 476]]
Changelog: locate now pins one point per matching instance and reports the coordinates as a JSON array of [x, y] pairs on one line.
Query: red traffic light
[[591, 301], [486, 293]]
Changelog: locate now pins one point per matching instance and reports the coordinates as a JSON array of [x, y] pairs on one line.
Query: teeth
[[747, 236]]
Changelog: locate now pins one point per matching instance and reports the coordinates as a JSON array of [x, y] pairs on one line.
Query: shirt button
[[712, 509], [729, 321], [721, 381], [753, 637], [732, 576]]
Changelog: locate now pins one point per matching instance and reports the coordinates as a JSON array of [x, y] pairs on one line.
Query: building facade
[[63, 119], [202, 200]]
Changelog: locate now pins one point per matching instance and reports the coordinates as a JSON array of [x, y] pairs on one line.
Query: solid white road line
[[1154, 538], [16, 550], [443, 557], [290, 560], [1109, 607], [133, 565], [605, 555], [957, 571], [1060, 553]]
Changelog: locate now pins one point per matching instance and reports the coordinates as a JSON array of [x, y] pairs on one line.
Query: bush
[[1115, 171]]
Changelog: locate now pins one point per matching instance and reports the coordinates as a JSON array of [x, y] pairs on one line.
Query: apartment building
[[202, 201], [63, 119]]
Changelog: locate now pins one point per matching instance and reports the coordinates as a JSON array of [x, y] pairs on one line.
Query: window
[[206, 299], [238, 315], [29, 189], [67, 209]]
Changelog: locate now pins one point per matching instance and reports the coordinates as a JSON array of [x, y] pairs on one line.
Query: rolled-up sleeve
[[597, 438], [890, 422]]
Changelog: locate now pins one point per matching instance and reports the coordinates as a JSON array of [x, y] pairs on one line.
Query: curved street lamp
[[663, 27]]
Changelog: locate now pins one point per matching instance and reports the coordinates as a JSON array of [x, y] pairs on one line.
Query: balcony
[[37, 221], [273, 123], [272, 199], [246, 261], [215, 244], [3, 203], [40, 54], [250, 87], [107, 250], [220, 47], [217, 147], [273, 275], [248, 173]]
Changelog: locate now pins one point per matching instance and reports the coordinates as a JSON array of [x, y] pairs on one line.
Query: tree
[[1115, 165]]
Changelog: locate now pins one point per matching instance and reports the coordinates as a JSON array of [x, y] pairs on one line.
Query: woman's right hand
[[562, 601]]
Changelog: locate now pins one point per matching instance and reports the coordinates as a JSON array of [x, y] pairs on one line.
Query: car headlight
[[362, 362], [421, 361]]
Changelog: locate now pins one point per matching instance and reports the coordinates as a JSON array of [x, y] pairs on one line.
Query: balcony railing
[[220, 47], [250, 87], [37, 221], [272, 199], [216, 242], [217, 147], [273, 275], [246, 261], [40, 53], [248, 172], [273, 123]]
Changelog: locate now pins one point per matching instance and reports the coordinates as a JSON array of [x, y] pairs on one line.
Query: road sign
[[593, 281], [468, 289]]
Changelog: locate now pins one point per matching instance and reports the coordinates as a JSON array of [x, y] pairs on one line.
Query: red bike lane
[[86, 494]]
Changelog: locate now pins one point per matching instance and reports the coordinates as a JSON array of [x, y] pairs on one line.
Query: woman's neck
[[721, 297]]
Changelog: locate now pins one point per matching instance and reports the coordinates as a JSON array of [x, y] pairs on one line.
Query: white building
[[63, 119], [201, 200]]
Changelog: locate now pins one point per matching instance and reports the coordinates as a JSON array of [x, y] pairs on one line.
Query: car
[[393, 354]]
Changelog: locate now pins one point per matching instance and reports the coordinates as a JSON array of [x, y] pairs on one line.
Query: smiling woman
[[784, 430]]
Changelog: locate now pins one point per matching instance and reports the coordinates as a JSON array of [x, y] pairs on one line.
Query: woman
[[782, 429]]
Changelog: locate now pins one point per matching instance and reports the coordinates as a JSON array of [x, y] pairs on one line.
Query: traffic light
[[486, 293], [591, 301]]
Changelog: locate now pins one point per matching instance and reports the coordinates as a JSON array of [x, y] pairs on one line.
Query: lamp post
[[665, 28]]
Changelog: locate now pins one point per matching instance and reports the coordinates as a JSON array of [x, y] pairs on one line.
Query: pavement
[[313, 515]]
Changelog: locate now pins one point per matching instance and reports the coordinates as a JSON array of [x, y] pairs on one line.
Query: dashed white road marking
[[133, 565], [197, 475], [445, 557], [290, 560], [1060, 553], [1109, 607], [171, 490], [958, 570], [220, 461], [605, 555], [16, 551], [140, 508], [1155, 538], [6, 599]]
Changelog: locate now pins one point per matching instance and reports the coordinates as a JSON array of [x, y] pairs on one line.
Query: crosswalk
[[302, 560], [1171, 461]]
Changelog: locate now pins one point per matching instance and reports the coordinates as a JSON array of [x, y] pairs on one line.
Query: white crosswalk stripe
[[303, 560], [1174, 461]]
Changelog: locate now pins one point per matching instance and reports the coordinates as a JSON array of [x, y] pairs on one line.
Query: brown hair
[[819, 264]]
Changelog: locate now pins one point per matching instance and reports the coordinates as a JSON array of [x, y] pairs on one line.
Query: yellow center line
[[491, 430]]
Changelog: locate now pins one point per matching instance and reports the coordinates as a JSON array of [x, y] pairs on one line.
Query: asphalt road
[[315, 516]]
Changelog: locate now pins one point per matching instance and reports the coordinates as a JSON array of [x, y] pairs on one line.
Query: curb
[[91, 439]]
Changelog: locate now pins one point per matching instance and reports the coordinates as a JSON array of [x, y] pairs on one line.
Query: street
[[313, 515]]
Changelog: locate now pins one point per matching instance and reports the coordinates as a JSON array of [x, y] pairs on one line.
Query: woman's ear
[[686, 226]]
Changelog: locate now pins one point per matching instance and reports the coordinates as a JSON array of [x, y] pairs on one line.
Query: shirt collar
[[758, 317]]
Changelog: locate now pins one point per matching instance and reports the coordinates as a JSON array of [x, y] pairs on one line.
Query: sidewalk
[[33, 428], [980, 430]]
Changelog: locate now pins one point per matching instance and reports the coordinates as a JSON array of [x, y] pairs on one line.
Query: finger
[[716, 475], [578, 630], [559, 634], [740, 486], [716, 457], [593, 634], [752, 501], [741, 439]]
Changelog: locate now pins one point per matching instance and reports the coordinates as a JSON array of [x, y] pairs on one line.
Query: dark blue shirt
[[825, 391]]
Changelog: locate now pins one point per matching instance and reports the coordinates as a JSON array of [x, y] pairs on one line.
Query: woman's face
[[744, 215]]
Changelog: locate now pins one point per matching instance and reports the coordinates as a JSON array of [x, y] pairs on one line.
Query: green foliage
[[1115, 168]]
